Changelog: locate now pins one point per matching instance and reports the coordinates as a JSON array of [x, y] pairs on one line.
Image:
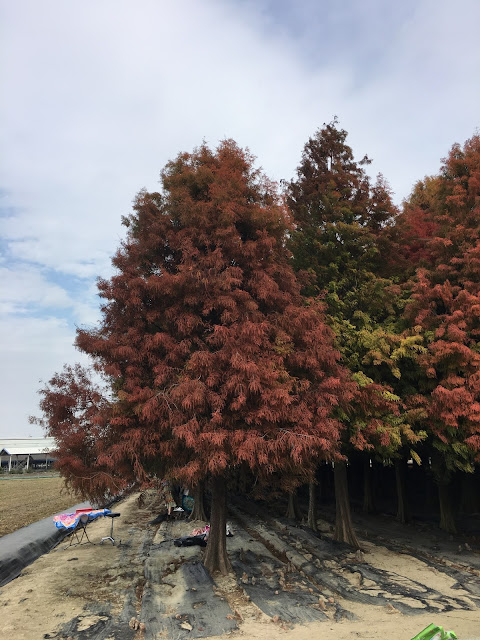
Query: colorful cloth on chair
[[70, 520]]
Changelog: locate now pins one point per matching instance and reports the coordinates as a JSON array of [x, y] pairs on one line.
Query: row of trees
[[247, 331]]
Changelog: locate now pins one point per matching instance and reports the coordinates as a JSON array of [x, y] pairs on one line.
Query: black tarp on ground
[[22, 547]]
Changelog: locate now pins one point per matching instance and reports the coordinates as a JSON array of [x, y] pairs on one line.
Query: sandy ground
[[100, 591]]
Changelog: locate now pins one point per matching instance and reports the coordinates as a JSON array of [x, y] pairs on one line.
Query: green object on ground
[[434, 632]]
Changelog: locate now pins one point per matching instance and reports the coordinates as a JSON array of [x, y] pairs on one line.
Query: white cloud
[[424, 96], [32, 350], [101, 98], [101, 94], [87, 307], [25, 287]]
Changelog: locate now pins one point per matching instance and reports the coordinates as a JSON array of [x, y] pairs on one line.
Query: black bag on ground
[[190, 541]]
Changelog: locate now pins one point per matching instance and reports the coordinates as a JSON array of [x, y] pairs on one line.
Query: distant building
[[23, 453]]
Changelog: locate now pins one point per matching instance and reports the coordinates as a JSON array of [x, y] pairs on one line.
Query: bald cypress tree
[[445, 306], [339, 216], [214, 359]]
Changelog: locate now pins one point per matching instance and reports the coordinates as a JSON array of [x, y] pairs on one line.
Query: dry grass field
[[29, 498]]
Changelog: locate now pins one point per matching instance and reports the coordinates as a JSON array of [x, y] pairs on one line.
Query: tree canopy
[[445, 291], [214, 358], [246, 329], [339, 216]]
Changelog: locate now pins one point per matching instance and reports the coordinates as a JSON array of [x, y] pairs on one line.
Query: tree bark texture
[[344, 531], [312, 507], [447, 519], [368, 501], [402, 507], [293, 510], [216, 558], [198, 511]]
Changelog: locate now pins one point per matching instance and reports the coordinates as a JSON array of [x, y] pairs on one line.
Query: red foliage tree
[[446, 305], [406, 245], [76, 413], [214, 359]]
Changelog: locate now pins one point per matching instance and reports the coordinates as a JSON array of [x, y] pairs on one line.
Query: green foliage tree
[[339, 219]]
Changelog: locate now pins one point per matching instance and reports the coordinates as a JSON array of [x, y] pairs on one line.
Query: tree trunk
[[402, 508], [447, 519], [442, 477], [344, 531], [198, 511], [312, 507], [293, 511], [429, 490], [470, 495], [216, 558], [320, 486], [368, 502]]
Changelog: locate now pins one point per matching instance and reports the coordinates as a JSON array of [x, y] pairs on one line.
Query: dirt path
[[288, 584]]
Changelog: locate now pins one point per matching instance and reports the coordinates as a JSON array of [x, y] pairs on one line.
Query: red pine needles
[[213, 357]]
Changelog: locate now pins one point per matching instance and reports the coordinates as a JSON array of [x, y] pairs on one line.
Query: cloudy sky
[[97, 95]]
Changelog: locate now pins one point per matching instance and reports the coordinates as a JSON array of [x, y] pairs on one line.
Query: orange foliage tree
[[214, 360], [76, 412], [445, 307]]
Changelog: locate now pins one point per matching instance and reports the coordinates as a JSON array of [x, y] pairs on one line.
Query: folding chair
[[81, 526]]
